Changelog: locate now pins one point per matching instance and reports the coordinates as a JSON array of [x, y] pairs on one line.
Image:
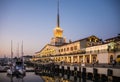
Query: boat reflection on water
[[17, 69], [29, 77], [19, 78]]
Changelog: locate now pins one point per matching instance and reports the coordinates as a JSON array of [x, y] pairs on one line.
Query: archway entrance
[[111, 58]]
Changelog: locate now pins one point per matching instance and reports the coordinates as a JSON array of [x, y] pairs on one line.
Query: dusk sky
[[33, 22]]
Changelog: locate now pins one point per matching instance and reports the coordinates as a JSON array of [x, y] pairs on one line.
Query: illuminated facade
[[87, 50]]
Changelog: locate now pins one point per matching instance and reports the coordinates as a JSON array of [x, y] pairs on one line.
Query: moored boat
[[17, 67]]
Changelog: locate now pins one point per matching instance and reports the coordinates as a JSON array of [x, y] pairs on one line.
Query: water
[[30, 77], [63, 79]]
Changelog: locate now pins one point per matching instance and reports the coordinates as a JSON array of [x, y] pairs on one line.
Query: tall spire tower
[[58, 32]]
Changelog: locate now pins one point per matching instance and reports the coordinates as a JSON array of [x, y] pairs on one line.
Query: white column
[[90, 58], [71, 59], [77, 59], [67, 59], [83, 58]]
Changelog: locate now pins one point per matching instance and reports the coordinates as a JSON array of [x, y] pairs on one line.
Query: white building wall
[[103, 57], [99, 47]]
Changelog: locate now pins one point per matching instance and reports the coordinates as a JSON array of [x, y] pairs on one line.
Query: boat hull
[[16, 72]]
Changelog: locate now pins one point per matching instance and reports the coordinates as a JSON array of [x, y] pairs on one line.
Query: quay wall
[[100, 70], [104, 73]]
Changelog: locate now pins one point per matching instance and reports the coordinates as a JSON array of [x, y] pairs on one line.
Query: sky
[[33, 21]]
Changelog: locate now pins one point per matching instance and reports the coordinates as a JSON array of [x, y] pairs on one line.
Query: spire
[[58, 20]]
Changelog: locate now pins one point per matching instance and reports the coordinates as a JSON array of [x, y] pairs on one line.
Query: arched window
[[94, 59]]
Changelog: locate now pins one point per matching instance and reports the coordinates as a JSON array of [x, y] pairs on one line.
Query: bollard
[[75, 78], [75, 71], [65, 71], [79, 72], [95, 71], [103, 78], [95, 74], [55, 69], [72, 72], [68, 72], [110, 74], [83, 73], [89, 76], [62, 71], [116, 79]]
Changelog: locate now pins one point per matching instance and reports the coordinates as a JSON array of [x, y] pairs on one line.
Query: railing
[[90, 65]]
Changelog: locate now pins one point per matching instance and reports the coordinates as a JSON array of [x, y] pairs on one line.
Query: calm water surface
[[30, 77]]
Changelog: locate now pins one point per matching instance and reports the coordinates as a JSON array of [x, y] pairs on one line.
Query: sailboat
[[17, 67], [11, 70]]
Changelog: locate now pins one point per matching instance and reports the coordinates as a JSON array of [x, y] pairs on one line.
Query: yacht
[[17, 67]]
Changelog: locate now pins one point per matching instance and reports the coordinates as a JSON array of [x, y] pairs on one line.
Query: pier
[[74, 72]]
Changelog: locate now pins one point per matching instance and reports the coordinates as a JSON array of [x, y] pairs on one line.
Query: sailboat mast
[[22, 49], [11, 51], [11, 57], [22, 52], [18, 51]]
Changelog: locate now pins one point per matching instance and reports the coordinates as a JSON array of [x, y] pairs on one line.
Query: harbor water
[[30, 77]]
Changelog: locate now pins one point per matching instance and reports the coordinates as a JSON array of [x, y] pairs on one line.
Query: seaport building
[[87, 50]]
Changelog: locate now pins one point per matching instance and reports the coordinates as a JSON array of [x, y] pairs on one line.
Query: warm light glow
[[58, 32]]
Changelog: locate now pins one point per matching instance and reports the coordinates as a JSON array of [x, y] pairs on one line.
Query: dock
[[96, 72]]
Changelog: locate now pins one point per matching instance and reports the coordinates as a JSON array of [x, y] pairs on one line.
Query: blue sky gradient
[[33, 22]]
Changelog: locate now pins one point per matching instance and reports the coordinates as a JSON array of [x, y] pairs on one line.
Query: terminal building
[[87, 50]]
